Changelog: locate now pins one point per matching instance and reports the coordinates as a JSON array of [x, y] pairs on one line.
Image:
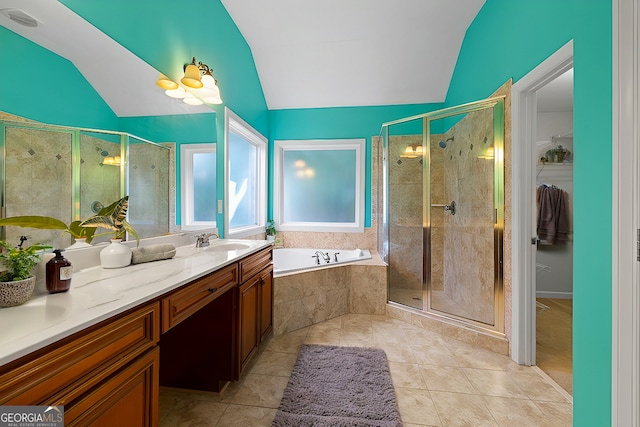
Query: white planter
[[80, 242], [116, 255], [271, 238]]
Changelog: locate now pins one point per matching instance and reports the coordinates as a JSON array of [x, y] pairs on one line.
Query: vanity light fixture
[[194, 88]]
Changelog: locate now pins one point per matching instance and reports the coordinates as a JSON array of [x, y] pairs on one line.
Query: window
[[319, 185], [198, 164], [246, 178]]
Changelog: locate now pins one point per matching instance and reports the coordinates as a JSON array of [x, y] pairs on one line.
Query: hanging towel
[[553, 217]]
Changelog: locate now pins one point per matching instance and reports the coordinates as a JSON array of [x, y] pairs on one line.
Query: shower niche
[[442, 208]]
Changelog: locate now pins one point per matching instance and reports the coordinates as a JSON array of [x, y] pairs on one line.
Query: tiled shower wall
[[149, 187], [38, 171], [405, 215], [469, 235]]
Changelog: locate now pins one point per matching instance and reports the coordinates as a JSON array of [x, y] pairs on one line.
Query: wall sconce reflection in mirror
[[194, 88], [111, 161]]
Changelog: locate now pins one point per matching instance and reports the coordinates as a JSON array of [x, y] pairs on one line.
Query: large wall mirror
[[71, 173], [69, 170]]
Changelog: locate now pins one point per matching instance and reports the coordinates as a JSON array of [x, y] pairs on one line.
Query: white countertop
[[97, 294]]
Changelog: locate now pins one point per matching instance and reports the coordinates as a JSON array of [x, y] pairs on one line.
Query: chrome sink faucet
[[202, 240]]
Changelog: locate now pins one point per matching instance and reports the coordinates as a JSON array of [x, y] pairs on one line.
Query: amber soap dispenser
[[59, 272]]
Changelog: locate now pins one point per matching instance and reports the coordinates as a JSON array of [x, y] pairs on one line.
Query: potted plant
[[271, 231], [17, 282], [113, 218]]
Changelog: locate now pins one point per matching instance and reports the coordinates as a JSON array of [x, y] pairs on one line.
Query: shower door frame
[[497, 104]]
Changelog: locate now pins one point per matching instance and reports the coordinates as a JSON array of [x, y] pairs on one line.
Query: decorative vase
[[80, 242], [115, 255], [17, 292]]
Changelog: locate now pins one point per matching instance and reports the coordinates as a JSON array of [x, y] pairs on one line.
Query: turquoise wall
[[336, 123], [42, 86], [506, 40]]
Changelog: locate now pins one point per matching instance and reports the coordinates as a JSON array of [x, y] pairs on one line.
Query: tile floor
[[439, 381]]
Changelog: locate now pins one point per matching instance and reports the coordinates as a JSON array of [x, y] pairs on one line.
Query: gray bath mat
[[339, 386]]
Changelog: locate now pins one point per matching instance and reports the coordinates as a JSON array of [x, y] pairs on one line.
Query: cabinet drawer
[[129, 398], [68, 368], [186, 301], [253, 264]]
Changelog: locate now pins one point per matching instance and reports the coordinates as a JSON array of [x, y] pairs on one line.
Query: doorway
[[554, 150], [526, 167]]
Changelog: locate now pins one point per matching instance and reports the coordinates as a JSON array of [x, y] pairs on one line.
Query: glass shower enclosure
[[442, 212]]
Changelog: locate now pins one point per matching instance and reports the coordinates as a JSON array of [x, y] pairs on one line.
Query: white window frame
[[334, 144], [186, 185], [233, 122]]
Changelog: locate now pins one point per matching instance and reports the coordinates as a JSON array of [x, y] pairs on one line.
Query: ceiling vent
[[20, 17]]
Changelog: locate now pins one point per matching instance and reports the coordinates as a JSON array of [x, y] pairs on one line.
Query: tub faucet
[[335, 256], [325, 256], [202, 240]]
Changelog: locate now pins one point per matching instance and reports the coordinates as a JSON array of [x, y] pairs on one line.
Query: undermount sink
[[226, 246]]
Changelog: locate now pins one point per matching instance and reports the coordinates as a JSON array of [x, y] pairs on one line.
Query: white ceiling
[[353, 53], [557, 95]]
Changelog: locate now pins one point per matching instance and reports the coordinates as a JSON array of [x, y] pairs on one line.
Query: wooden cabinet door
[[266, 302], [130, 398], [248, 327]]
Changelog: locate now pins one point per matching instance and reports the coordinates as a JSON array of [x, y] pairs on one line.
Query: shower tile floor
[[413, 298], [438, 380]]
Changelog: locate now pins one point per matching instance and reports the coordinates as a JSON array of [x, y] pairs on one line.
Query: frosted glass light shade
[[210, 93], [192, 77], [176, 93], [191, 100]]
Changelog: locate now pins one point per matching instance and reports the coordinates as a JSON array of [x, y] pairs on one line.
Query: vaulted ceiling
[[353, 53], [307, 54]]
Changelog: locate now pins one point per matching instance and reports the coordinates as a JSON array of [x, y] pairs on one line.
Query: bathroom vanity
[[103, 349]]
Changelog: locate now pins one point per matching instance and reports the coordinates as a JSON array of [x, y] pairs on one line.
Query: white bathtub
[[287, 260]]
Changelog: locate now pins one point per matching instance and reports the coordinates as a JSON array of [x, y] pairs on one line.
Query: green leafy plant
[[114, 218], [49, 223], [270, 230], [18, 261]]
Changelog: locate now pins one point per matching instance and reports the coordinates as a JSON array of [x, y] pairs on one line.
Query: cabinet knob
[[212, 289]]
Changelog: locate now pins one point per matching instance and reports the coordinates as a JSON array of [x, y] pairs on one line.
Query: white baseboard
[[550, 294]]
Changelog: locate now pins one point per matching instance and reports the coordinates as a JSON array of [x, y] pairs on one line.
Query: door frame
[[625, 353], [524, 111]]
